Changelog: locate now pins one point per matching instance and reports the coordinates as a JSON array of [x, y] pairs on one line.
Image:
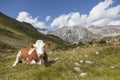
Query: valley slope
[[21, 34]]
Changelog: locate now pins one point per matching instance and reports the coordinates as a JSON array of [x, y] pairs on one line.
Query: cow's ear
[[48, 44]]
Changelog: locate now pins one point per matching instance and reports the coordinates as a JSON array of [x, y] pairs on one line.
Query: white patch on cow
[[39, 51], [33, 62], [39, 45], [31, 50]]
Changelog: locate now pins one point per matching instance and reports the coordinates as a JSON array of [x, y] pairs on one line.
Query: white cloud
[[26, 17], [99, 11], [71, 19], [47, 18], [101, 14], [114, 22], [61, 21], [76, 19], [100, 22]]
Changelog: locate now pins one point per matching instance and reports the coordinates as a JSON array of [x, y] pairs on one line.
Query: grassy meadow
[[94, 60], [105, 65]]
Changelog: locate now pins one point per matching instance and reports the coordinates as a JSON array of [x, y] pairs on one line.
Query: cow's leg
[[17, 58], [48, 60], [45, 57], [41, 61], [30, 61], [33, 62]]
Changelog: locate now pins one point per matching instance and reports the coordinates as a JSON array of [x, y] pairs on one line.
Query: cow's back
[[24, 53]]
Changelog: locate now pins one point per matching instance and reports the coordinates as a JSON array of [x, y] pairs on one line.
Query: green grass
[[63, 68]]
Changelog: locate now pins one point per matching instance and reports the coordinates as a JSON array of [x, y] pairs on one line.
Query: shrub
[[81, 44], [102, 41]]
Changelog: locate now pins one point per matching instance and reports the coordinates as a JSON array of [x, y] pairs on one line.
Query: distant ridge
[[79, 33]]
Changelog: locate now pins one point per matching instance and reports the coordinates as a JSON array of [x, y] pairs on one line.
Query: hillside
[[20, 34]]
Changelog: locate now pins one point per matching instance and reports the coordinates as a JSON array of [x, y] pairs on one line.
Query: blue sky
[[57, 10]]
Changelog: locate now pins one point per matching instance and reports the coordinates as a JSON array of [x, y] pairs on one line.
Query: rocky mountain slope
[[105, 31], [42, 30], [77, 33]]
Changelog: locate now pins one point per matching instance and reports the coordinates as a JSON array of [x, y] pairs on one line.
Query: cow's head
[[39, 44]]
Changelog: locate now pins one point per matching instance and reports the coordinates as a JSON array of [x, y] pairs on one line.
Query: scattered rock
[[112, 67], [86, 56], [97, 52], [77, 48], [76, 64], [94, 45], [77, 69], [81, 61], [70, 57], [89, 62], [50, 52], [83, 74], [56, 59]]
